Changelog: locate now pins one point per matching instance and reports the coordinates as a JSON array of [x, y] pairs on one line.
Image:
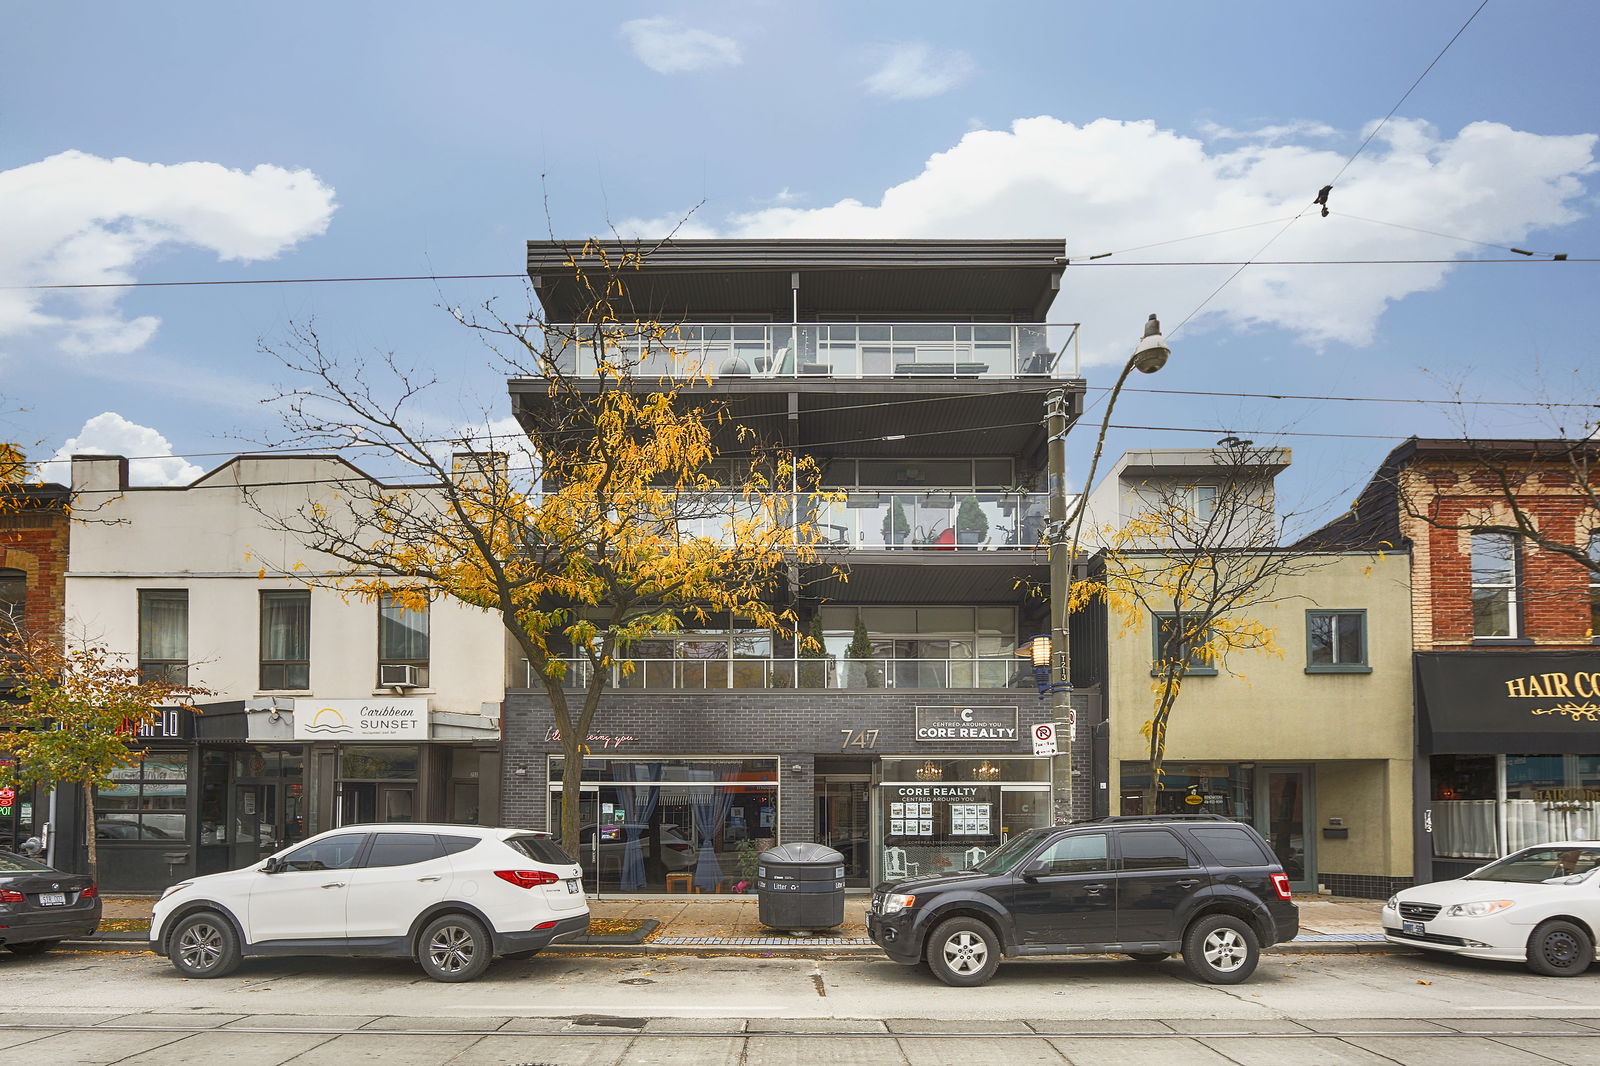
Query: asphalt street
[[102, 1008]]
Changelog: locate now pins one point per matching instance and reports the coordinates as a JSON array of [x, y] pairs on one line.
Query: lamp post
[[1149, 356]]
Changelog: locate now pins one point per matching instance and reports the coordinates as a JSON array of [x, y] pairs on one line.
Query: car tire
[[1221, 950], [520, 956], [1149, 956], [33, 947], [1559, 949], [204, 945], [454, 948], [963, 952]]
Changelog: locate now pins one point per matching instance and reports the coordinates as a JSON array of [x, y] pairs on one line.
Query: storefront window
[[940, 815], [1223, 788], [1546, 797], [673, 825], [147, 800]]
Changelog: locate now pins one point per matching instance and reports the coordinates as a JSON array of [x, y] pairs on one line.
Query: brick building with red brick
[[1504, 624], [34, 531]]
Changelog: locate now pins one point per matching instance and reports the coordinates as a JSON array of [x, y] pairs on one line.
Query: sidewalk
[[669, 923]]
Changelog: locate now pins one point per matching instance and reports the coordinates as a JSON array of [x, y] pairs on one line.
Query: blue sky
[[354, 139]]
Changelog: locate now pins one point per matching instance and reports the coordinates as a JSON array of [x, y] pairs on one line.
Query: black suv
[[1141, 886]]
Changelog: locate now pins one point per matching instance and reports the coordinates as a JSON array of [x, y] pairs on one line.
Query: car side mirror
[[273, 865], [1035, 870]]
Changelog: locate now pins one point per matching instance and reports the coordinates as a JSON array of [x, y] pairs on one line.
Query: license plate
[[1414, 928], [52, 899], [572, 885]]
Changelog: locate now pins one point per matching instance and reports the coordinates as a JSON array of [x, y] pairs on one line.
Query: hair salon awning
[[1504, 702]]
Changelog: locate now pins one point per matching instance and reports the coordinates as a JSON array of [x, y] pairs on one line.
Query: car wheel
[[204, 945], [35, 947], [963, 952], [1559, 949], [518, 956], [1221, 949], [454, 947], [1149, 956]]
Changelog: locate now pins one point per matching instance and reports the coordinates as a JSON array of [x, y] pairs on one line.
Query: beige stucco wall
[[1356, 728], [206, 539]]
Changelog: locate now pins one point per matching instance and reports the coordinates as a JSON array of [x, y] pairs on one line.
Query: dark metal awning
[[1495, 701]]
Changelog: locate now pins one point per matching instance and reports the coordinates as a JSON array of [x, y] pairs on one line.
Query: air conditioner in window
[[397, 675]]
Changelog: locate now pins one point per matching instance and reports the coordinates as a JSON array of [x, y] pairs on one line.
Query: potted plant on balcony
[[813, 672], [863, 672], [896, 526], [972, 525]]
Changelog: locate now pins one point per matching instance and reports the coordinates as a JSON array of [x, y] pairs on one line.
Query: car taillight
[[1281, 883], [90, 893], [527, 878], [8, 896]]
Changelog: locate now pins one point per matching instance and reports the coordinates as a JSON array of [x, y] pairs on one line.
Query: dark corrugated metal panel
[[875, 278], [932, 577]]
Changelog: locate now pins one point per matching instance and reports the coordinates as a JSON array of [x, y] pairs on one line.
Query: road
[[99, 1008]]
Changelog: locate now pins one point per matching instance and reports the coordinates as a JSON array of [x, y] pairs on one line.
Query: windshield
[[1006, 857], [1532, 865]]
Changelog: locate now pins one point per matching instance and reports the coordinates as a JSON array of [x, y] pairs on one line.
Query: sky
[[203, 142]]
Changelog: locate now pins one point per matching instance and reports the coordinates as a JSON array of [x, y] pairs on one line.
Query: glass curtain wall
[[925, 647], [673, 824]]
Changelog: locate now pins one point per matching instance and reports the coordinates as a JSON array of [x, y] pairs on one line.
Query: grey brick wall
[[796, 725]]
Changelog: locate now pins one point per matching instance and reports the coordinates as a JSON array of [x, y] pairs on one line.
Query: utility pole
[[1062, 408]]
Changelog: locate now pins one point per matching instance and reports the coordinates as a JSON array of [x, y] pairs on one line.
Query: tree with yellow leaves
[[600, 524], [1195, 564]]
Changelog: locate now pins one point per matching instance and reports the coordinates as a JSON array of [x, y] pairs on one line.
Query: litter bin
[[800, 887]]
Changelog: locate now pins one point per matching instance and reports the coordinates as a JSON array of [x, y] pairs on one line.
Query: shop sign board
[[1540, 701], [364, 720], [943, 724]]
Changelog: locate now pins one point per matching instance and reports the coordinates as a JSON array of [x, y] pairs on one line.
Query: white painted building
[[188, 581]]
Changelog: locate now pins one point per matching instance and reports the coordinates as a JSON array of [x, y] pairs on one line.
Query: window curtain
[[642, 800], [286, 627], [164, 626], [711, 807], [1464, 829]]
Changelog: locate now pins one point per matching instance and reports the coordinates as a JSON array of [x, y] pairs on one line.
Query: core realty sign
[[937, 723], [375, 719]]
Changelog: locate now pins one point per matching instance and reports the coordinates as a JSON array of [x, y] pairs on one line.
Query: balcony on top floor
[[934, 520], [830, 672], [825, 350]]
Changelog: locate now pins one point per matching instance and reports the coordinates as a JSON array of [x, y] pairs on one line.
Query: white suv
[[450, 896]]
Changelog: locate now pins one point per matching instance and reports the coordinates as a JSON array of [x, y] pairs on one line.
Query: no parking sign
[[1044, 739]]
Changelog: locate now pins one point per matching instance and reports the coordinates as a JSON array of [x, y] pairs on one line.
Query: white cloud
[[76, 218], [151, 461], [915, 71], [1110, 185], [1270, 134], [669, 48]]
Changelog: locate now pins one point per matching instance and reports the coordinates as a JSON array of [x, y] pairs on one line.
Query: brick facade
[[33, 540]]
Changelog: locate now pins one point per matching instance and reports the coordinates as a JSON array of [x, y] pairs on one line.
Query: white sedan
[[1540, 905]]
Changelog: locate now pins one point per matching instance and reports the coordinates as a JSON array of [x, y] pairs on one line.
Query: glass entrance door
[[589, 833], [844, 823], [1283, 812]]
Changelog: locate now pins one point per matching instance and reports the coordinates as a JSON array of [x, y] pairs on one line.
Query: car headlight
[[1478, 908], [176, 887], [895, 902], [1394, 902]]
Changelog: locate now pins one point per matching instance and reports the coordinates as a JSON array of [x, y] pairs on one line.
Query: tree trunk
[[89, 832]]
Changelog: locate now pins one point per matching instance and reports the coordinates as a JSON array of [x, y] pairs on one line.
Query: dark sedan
[[41, 906]]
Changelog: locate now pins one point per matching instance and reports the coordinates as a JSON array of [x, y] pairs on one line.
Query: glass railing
[[948, 520], [823, 349], [999, 671]]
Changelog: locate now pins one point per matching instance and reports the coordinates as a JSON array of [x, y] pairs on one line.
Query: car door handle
[[434, 877], [334, 884], [1190, 883], [1093, 890]]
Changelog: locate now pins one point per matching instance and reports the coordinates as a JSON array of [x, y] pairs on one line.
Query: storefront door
[[1283, 812], [844, 822]]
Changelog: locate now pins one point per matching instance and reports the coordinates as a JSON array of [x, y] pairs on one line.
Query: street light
[[1149, 356]]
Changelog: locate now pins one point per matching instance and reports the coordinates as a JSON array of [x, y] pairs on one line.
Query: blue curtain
[[711, 807], [641, 800]]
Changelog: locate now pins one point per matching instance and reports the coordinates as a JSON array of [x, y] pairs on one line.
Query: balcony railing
[[1000, 671], [824, 349], [941, 519]]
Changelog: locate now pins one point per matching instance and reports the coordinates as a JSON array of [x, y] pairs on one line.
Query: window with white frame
[[1594, 585], [1494, 585]]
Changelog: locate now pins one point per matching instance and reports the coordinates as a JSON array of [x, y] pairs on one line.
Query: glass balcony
[[823, 349], [989, 672], [943, 519]]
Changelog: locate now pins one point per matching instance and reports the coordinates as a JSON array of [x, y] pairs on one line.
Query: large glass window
[[146, 800], [922, 647], [164, 635], [1494, 585], [1594, 586], [1336, 641], [286, 639], [402, 642], [13, 597]]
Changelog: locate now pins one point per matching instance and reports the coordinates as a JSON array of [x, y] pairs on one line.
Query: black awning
[[1506, 702]]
